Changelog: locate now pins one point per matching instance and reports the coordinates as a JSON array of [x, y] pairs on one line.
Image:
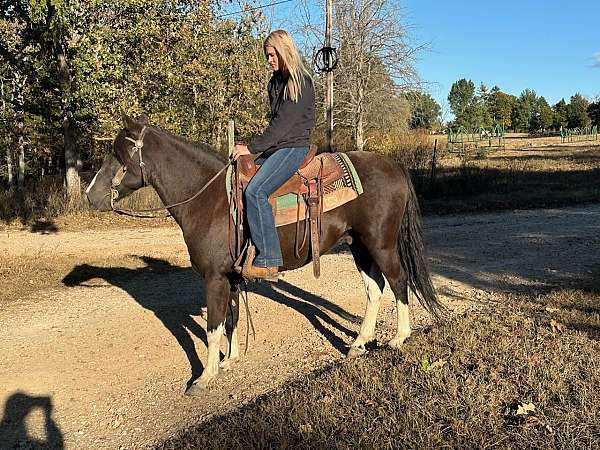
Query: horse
[[382, 227]]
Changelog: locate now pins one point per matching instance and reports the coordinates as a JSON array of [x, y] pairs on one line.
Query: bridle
[[138, 144]]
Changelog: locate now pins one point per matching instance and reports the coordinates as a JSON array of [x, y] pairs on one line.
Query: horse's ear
[[128, 121], [143, 119]]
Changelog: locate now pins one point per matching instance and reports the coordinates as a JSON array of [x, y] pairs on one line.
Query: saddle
[[315, 173]]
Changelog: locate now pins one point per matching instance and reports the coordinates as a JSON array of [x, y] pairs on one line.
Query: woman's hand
[[239, 150]]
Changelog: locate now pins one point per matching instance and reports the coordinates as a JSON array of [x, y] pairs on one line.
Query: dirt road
[[101, 329]]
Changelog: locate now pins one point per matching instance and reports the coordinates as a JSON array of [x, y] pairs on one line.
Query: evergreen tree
[[425, 111], [560, 115], [463, 103], [577, 115], [524, 111], [542, 117], [594, 112]]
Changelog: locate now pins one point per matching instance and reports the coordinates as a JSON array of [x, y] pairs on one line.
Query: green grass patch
[[522, 377]]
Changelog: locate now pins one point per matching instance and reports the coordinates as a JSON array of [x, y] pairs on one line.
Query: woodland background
[[69, 68]]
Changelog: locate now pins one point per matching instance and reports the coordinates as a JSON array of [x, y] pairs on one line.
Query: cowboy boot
[[265, 273]]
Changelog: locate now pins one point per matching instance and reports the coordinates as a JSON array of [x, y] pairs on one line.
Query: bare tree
[[376, 61]]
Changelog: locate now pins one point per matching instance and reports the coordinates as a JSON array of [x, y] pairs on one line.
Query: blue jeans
[[274, 171]]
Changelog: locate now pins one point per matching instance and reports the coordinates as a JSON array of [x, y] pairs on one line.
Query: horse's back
[[380, 176]]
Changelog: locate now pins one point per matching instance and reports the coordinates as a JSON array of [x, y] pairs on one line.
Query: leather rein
[[138, 144]]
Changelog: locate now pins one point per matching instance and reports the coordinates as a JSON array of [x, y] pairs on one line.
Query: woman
[[283, 146]]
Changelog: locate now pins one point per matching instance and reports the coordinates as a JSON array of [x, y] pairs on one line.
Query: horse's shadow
[[313, 307], [176, 294]]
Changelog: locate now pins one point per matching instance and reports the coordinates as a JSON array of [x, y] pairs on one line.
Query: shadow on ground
[[522, 251], [175, 295], [13, 426]]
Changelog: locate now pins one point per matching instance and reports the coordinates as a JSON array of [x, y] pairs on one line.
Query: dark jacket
[[291, 123]]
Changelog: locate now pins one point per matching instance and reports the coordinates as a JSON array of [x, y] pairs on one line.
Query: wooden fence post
[[432, 175], [230, 136]]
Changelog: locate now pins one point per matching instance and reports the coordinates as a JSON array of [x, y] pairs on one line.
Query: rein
[[138, 144]]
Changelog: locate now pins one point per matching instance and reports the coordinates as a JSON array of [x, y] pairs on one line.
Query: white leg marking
[[403, 328], [367, 328], [233, 350], [214, 350], [87, 191]]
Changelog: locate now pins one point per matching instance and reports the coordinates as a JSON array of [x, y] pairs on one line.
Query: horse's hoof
[[227, 364], [354, 352], [396, 343], [199, 386]]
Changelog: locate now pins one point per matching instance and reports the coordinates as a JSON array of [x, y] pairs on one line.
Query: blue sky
[[552, 47]]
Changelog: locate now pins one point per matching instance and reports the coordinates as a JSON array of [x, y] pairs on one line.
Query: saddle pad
[[290, 207]]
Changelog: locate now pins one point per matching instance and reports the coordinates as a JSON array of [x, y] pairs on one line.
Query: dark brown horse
[[383, 226]]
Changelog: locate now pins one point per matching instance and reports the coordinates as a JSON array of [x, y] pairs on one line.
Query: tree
[[500, 107], [376, 62], [561, 119], [425, 111], [577, 112], [524, 111], [463, 103], [544, 114], [64, 89], [594, 112], [483, 116]]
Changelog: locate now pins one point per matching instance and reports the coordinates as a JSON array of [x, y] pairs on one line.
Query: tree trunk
[[21, 172], [359, 136], [7, 141], [9, 164], [217, 135], [72, 179]]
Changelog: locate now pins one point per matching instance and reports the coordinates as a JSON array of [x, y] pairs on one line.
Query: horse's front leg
[[217, 295], [231, 329]]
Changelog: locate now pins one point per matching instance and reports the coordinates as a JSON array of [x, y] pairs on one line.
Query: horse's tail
[[412, 253]]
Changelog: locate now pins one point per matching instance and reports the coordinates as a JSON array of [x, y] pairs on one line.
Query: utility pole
[[329, 79]]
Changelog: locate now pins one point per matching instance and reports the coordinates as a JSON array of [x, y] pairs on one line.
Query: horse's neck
[[178, 171]]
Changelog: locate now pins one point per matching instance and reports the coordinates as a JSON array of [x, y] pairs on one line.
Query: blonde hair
[[290, 62]]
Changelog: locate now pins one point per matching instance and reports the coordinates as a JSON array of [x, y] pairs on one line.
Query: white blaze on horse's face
[[272, 58]]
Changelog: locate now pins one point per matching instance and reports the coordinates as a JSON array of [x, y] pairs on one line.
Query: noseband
[[138, 144]]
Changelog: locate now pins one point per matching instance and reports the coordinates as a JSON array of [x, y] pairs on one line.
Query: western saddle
[[315, 172]]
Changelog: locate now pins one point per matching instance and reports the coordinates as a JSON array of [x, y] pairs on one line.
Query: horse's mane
[[202, 148]]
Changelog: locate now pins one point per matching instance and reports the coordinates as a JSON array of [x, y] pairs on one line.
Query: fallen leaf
[[524, 409], [556, 327], [306, 428], [437, 364]]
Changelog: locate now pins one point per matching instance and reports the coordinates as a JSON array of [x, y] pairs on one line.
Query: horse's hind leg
[[374, 284], [384, 252], [231, 329], [388, 259]]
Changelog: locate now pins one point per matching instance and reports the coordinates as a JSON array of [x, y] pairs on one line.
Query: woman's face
[[272, 58]]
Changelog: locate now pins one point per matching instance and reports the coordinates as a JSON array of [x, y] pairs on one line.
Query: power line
[[253, 9]]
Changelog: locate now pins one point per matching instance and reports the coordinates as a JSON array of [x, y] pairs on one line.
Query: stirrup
[[247, 255]]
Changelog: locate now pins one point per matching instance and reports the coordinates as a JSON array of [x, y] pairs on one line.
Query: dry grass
[[45, 200], [528, 173], [525, 377]]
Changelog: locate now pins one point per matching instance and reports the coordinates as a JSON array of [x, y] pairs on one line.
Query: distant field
[[527, 173]]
